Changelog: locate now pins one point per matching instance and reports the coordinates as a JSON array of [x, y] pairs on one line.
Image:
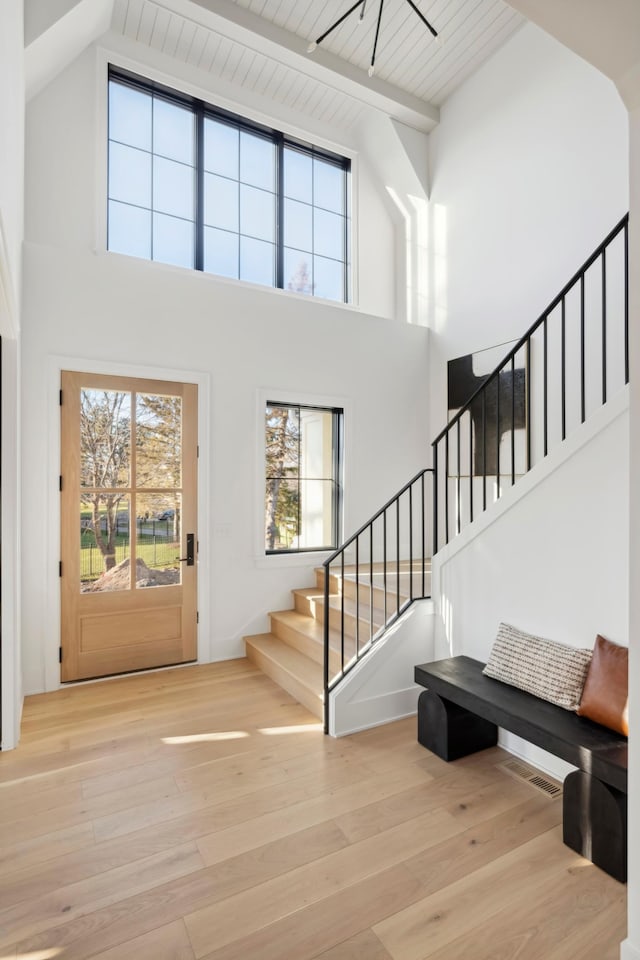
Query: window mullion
[[299, 510], [199, 224], [346, 251], [152, 210], [335, 492], [280, 212]]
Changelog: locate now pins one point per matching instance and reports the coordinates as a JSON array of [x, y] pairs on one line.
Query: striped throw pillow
[[549, 670]]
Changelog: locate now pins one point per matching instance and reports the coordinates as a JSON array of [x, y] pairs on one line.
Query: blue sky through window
[[154, 184]]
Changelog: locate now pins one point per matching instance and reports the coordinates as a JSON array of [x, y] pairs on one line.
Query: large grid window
[[303, 460], [197, 187]]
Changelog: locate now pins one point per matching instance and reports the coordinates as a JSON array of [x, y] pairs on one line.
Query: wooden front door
[[128, 535]]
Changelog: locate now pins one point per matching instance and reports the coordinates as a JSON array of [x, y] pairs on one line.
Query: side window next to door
[[303, 477]]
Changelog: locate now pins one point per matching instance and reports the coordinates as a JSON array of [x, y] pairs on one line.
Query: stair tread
[[335, 602], [378, 568], [301, 621], [311, 628], [318, 592], [305, 670]]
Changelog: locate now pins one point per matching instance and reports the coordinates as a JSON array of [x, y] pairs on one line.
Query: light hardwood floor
[[201, 813]]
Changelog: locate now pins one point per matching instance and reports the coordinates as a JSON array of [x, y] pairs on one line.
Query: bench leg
[[451, 731], [594, 822]]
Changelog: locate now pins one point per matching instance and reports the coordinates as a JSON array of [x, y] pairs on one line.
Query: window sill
[[245, 285], [312, 558]]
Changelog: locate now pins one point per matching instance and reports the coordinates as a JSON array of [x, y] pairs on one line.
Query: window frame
[[203, 110], [337, 478]]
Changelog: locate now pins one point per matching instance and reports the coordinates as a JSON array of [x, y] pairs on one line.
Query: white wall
[[529, 172], [11, 229], [631, 947], [381, 688], [11, 156], [99, 308], [553, 562]]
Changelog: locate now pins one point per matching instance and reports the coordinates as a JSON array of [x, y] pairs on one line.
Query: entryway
[[128, 516]]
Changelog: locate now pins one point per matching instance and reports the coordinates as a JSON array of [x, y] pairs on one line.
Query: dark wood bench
[[459, 713]]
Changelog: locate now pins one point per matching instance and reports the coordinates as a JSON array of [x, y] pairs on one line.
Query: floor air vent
[[519, 770]]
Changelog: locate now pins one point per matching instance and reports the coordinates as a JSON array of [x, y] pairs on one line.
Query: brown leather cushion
[[605, 696]]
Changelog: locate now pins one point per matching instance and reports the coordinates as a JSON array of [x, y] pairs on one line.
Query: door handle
[[190, 558]]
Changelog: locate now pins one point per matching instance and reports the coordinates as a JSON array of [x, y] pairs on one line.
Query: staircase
[[292, 653], [567, 365]]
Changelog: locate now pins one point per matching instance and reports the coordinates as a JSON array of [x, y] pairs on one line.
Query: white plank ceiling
[[407, 55], [261, 45]]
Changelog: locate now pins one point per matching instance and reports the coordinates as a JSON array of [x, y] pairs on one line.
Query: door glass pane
[[158, 440], [157, 531], [105, 438], [104, 543]]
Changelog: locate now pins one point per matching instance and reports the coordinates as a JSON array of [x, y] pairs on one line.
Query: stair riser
[[308, 698], [363, 590], [314, 649], [335, 623], [363, 593], [314, 607], [334, 582], [288, 634], [305, 605]]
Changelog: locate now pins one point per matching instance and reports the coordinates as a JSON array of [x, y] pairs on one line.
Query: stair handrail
[[480, 393], [557, 300], [368, 527], [376, 516], [454, 423]]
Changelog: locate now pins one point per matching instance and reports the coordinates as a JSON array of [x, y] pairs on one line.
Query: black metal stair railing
[[535, 397], [374, 576], [531, 401]]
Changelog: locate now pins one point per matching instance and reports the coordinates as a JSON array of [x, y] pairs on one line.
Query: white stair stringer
[[380, 687]]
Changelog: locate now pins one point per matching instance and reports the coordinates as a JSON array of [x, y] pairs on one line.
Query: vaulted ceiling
[[407, 57], [261, 45]]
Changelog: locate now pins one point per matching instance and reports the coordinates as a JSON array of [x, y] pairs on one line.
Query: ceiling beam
[[236, 23]]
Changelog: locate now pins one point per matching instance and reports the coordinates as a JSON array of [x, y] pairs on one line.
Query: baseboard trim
[[628, 951], [375, 711]]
